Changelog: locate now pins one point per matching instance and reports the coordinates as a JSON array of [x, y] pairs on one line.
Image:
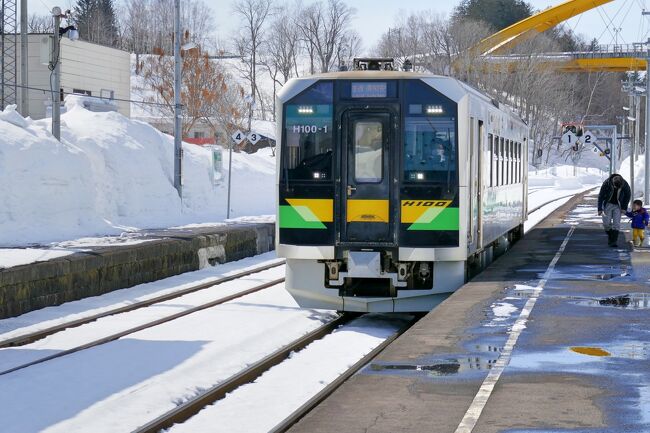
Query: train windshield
[[430, 150], [308, 132]]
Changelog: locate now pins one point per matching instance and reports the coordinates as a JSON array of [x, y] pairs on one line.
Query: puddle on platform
[[606, 276], [439, 368], [631, 301]]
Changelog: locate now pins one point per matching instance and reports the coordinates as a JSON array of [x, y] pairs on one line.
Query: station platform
[[553, 337], [91, 267]]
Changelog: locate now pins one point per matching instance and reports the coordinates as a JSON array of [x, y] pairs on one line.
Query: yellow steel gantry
[[504, 40]]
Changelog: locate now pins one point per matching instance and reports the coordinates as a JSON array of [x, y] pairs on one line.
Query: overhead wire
[[40, 89]]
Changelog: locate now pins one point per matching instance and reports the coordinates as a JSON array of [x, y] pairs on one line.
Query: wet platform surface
[[553, 337]]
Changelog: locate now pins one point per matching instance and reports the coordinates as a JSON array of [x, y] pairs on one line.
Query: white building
[[86, 68]]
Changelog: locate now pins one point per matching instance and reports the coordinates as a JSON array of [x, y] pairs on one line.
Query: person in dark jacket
[[640, 221], [613, 200]]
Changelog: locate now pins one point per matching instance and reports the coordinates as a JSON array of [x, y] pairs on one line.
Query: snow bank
[[639, 175], [110, 174]]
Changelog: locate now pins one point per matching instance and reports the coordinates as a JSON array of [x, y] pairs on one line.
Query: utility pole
[[637, 125], [24, 51], [55, 67], [178, 127], [629, 111], [646, 190]]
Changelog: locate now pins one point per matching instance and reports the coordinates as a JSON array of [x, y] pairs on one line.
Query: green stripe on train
[[445, 220], [291, 218]]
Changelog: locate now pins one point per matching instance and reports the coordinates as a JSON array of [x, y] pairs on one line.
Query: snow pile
[[639, 174], [110, 174]]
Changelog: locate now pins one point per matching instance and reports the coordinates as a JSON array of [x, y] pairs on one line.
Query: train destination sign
[[366, 89]]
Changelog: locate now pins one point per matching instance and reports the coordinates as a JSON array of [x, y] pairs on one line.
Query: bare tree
[[281, 53], [147, 25], [324, 27], [207, 93], [253, 14], [40, 24]]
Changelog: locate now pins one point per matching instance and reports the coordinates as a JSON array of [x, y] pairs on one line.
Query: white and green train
[[392, 186]]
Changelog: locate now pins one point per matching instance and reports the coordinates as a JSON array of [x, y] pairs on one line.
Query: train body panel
[[390, 184]]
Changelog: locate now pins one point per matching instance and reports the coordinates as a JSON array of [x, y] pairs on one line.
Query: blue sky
[[375, 16]]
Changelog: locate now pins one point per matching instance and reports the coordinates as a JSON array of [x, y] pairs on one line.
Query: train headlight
[[434, 109], [419, 176], [305, 110]]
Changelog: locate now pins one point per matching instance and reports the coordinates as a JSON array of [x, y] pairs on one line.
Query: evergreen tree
[[96, 21], [497, 13]]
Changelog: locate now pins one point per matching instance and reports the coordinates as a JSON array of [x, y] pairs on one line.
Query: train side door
[[366, 177]]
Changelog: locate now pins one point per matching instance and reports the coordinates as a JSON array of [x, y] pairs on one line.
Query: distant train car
[[393, 187]]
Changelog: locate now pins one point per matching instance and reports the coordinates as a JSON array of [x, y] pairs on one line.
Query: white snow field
[[120, 385], [111, 174]]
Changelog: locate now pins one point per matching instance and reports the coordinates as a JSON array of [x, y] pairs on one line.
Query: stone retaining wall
[[80, 275]]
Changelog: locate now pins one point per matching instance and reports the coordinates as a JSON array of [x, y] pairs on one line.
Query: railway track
[[190, 408], [158, 321], [538, 207], [37, 335]]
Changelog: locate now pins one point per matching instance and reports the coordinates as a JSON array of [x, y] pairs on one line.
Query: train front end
[[369, 198]]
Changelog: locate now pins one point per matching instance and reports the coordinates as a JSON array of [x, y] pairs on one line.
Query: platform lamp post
[[646, 190], [24, 78], [178, 127], [55, 66]]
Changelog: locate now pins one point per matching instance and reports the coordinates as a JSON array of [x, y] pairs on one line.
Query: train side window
[[495, 161], [518, 162], [506, 163], [511, 160], [491, 156], [521, 163], [368, 151], [502, 161], [514, 162]]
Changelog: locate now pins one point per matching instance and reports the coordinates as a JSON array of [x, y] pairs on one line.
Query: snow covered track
[[37, 335], [248, 375], [146, 325], [303, 410], [538, 207], [292, 356]]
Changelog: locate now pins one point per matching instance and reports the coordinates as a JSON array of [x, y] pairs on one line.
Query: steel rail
[[191, 407], [147, 325], [37, 335]]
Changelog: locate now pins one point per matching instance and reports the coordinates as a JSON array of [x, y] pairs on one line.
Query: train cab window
[[430, 149], [368, 151], [308, 134]]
